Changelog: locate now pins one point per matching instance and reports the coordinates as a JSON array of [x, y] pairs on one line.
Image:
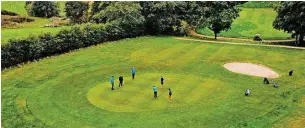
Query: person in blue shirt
[[133, 72], [112, 82], [155, 91]]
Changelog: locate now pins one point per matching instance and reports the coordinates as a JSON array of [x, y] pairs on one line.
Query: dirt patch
[[251, 69]]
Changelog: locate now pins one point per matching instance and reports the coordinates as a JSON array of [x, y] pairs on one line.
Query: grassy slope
[[54, 91], [26, 29], [250, 22]]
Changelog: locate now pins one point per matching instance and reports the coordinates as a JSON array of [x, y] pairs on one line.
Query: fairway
[[73, 89], [252, 21]]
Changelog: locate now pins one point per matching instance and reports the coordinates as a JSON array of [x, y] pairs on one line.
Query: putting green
[[137, 95]]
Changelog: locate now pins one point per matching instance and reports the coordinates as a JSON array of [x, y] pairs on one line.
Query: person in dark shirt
[[162, 81], [169, 95], [121, 80]]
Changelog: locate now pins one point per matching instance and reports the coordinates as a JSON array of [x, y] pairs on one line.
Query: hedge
[[18, 51], [5, 12]]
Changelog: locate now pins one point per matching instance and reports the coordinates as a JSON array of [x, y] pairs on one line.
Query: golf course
[[71, 88]]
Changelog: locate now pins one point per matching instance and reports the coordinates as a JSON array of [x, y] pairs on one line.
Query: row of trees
[[174, 18]]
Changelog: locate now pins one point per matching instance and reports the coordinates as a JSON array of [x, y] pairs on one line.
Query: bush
[[42, 8], [77, 11], [37, 47], [257, 37], [4, 12]]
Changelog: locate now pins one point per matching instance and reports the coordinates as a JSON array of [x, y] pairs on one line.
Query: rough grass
[[72, 90], [251, 22]]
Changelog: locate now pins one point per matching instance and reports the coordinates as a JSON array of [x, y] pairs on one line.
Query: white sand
[[251, 69]]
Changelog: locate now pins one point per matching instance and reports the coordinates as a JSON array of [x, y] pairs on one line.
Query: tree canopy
[[222, 15], [125, 14], [42, 8], [291, 18], [77, 11]]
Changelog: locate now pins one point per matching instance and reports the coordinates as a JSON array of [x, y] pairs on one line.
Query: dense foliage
[[42, 8], [77, 11], [290, 18], [34, 48], [261, 4], [127, 14]]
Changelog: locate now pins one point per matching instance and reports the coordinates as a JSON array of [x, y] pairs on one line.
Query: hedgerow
[[18, 51]]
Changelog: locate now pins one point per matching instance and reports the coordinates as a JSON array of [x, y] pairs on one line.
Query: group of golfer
[[133, 73]]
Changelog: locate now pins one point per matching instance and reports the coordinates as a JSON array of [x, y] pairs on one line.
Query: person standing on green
[[112, 82], [169, 95], [162, 81], [133, 72], [121, 80], [155, 91]]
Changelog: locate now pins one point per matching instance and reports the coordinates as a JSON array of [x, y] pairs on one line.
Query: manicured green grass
[[251, 22], [73, 90], [14, 6], [26, 32]]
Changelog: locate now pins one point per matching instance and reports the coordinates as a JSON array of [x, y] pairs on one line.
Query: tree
[[175, 17], [77, 11], [124, 14], [42, 8], [290, 18], [222, 15]]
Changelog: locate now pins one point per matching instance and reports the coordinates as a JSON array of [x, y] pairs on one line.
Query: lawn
[[18, 7], [20, 33], [250, 22], [29, 28], [73, 89]]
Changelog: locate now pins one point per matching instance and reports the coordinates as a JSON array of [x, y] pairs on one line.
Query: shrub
[[77, 11], [42, 8], [5, 12], [257, 37], [37, 47]]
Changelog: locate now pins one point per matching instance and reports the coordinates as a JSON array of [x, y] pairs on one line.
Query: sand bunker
[[251, 69]]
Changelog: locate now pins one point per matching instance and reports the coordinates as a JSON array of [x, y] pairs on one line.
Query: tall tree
[[77, 11], [222, 15], [42, 8], [173, 17], [291, 18], [125, 14]]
